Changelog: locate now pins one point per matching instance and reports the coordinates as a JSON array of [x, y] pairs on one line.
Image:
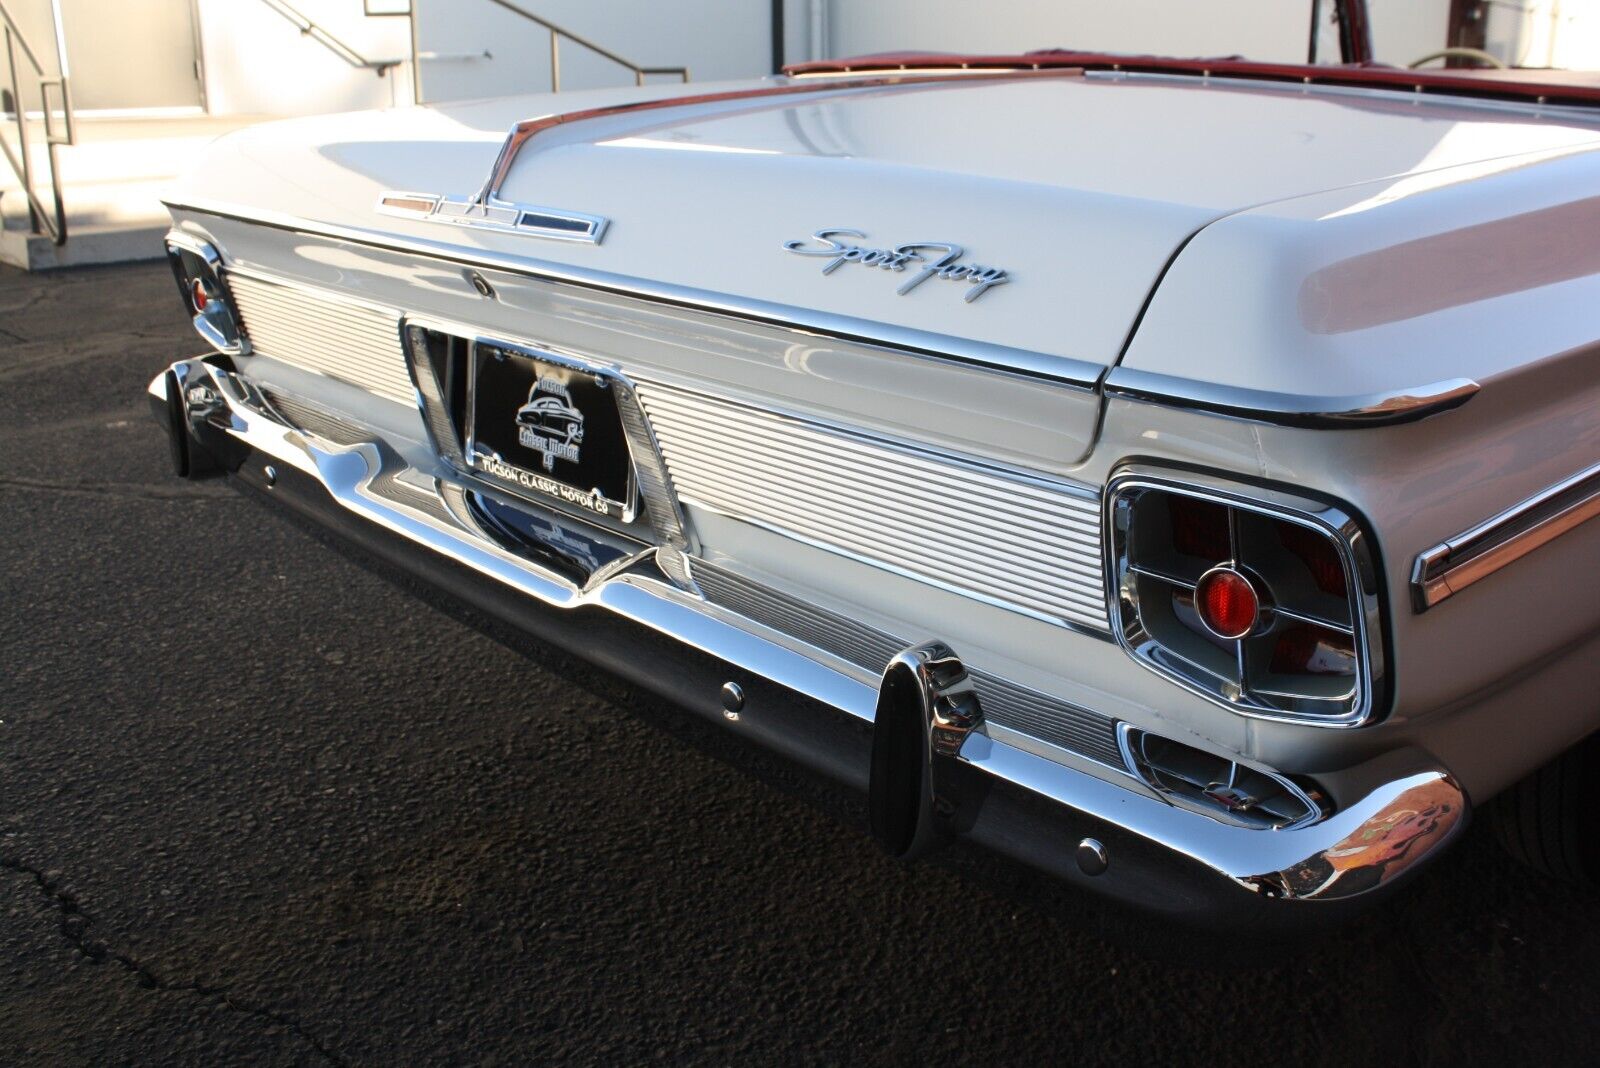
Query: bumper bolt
[[732, 700], [271, 474], [1092, 859]]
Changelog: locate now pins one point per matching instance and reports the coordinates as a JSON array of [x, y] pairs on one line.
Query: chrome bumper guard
[[913, 743]]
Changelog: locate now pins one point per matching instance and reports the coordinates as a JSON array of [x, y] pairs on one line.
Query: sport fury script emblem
[[930, 259]]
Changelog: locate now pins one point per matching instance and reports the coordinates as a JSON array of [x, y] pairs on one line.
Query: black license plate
[[541, 426]]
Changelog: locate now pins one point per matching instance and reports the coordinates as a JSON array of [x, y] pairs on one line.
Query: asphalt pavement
[[260, 804]]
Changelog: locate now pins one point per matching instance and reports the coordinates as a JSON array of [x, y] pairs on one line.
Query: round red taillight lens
[[1227, 603], [199, 294]]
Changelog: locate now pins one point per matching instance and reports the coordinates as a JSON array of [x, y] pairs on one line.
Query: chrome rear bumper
[[630, 617]]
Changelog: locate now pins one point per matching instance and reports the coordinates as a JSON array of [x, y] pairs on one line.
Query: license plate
[[538, 425]]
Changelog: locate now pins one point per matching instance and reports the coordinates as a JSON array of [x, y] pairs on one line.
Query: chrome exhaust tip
[[927, 706], [170, 403], [177, 426]]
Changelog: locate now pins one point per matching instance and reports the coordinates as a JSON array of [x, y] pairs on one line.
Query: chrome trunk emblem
[[495, 214]]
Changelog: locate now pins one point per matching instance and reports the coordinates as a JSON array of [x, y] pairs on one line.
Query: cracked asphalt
[[260, 805]]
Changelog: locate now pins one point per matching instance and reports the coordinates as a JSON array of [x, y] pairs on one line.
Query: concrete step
[[103, 243], [112, 183]]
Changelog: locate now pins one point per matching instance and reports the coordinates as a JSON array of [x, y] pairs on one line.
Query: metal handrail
[[40, 220], [327, 40], [558, 32]]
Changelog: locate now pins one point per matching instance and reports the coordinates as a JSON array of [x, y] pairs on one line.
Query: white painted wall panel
[[1258, 29], [257, 62]]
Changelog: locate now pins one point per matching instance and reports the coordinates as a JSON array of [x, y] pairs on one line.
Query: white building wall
[[257, 62], [1538, 33], [1258, 29], [1559, 33]]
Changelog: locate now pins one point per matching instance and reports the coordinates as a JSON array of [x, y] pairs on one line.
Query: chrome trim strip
[[312, 418], [1383, 834], [1473, 555], [1288, 409], [1065, 371], [1029, 712]]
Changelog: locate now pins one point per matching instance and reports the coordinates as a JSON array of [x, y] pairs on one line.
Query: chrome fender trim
[[1285, 409]]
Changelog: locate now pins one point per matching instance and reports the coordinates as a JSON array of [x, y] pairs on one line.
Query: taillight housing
[[197, 266], [1265, 602]]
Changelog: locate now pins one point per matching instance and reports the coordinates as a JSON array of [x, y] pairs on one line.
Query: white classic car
[[1173, 474]]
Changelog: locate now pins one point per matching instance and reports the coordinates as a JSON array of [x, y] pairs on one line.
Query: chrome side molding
[[1289, 409], [1456, 563]]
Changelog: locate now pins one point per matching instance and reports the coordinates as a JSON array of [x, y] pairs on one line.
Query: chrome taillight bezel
[[193, 258], [1336, 524]]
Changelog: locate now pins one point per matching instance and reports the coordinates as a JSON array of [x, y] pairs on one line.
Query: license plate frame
[[548, 425]]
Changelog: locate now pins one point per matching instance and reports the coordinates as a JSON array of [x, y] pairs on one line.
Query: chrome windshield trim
[[1065, 371], [1290, 409], [1473, 555]]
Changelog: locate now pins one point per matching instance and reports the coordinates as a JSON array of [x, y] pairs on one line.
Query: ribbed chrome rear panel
[[848, 640], [312, 419], [1019, 542], [1048, 718], [1004, 702], [352, 342]]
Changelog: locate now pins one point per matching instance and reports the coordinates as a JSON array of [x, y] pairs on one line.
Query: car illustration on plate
[[551, 416]]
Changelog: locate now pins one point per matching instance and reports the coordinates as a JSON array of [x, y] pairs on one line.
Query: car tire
[[1548, 820]]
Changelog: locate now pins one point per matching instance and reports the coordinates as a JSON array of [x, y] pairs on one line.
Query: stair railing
[[559, 33], [42, 219], [327, 40]]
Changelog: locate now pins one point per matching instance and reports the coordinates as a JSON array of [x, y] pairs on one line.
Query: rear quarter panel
[[1490, 272]]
